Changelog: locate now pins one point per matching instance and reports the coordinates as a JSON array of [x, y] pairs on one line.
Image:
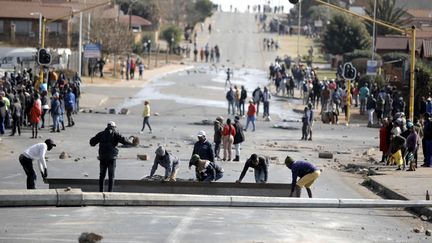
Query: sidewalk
[[404, 185]]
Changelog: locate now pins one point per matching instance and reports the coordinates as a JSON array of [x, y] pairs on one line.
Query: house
[[387, 44]]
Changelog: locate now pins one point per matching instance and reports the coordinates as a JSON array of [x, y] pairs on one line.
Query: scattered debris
[[428, 233], [142, 156], [134, 140], [124, 111], [284, 126], [325, 155], [77, 159], [89, 238], [112, 111], [63, 155], [156, 114], [204, 122], [86, 174]]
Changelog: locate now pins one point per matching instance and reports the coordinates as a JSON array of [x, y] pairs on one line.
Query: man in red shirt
[[251, 115]]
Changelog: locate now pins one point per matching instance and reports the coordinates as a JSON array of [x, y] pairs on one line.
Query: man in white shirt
[[35, 152]]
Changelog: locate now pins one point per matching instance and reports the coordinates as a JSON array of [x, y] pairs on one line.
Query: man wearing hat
[[307, 172], [260, 165], [35, 152], [205, 169], [166, 160], [108, 141], [203, 148]]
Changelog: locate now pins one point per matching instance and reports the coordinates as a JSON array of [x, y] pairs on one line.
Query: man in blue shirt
[[307, 172]]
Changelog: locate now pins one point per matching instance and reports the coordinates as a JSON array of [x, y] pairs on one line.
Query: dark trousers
[[27, 165], [217, 149], [105, 165], [16, 125], [146, 122]]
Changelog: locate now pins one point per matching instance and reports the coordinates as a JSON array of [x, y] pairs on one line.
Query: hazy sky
[[241, 5]]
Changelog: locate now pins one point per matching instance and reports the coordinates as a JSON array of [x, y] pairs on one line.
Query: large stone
[[112, 111], [142, 156], [63, 155], [124, 111], [325, 155]]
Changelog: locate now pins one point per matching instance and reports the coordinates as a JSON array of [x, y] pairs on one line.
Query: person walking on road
[[55, 112], [238, 138], [217, 139], [266, 102], [243, 97], [228, 134], [260, 165], [251, 116], [70, 103], [230, 96], [307, 172], [35, 152], [257, 97], [35, 115], [166, 160], [146, 115], [16, 110], [108, 141], [229, 73], [206, 170]]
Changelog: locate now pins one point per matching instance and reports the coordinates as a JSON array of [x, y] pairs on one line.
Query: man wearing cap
[[205, 169], [203, 148], [166, 160], [260, 165], [307, 172], [108, 140], [35, 152]]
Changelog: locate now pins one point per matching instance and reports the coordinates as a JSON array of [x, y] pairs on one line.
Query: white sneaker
[[141, 132]]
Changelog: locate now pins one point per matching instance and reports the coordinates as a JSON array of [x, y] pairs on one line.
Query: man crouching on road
[[260, 164], [206, 170], [166, 160], [108, 141], [307, 172], [35, 152]]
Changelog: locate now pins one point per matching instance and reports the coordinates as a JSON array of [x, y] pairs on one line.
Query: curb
[[387, 193], [75, 197]]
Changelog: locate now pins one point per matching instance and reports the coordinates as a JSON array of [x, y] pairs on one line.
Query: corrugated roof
[[419, 43], [391, 43], [22, 10], [420, 13], [135, 20]]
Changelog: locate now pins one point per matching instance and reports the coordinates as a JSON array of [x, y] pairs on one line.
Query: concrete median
[[75, 197]]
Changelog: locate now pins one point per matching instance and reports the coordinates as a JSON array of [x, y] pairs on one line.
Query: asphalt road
[[182, 99]]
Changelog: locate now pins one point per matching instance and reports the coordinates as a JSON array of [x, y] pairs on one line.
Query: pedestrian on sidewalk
[[363, 94], [305, 125], [228, 134], [35, 152], [108, 141], [260, 166], [206, 170], [141, 70], [310, 120], [307, 172], [217, 138], [370, 106], [146, 116], [412, 144], [238, 138], [167, 161], [383, 140], [251, 116]]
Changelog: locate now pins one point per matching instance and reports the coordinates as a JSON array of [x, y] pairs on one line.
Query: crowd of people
[[25, 102]]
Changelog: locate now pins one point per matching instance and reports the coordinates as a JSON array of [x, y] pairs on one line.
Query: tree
[[147, 9], [387, 11], [345, 34], [172, 34]]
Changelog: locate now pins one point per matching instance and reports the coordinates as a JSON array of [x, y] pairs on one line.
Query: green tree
[[345, 34], [143, 8], [172, 34], [387, 11], [203, 8]]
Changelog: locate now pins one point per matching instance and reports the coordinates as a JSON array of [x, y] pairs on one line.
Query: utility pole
[[80, 45], [373, 31]]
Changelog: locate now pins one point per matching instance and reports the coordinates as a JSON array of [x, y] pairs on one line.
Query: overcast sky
[[241, 5]]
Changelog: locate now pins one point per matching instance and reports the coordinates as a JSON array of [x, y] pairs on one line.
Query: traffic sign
[[371, 67], [349, 71], [92, 51]]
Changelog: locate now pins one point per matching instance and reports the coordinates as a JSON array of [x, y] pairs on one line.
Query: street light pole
[[80, 45], [40, 27], [373, 31], [298, 35]]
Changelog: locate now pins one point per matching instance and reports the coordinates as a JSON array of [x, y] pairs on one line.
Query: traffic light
[[293, 1], [349, 71], [44, 57]]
